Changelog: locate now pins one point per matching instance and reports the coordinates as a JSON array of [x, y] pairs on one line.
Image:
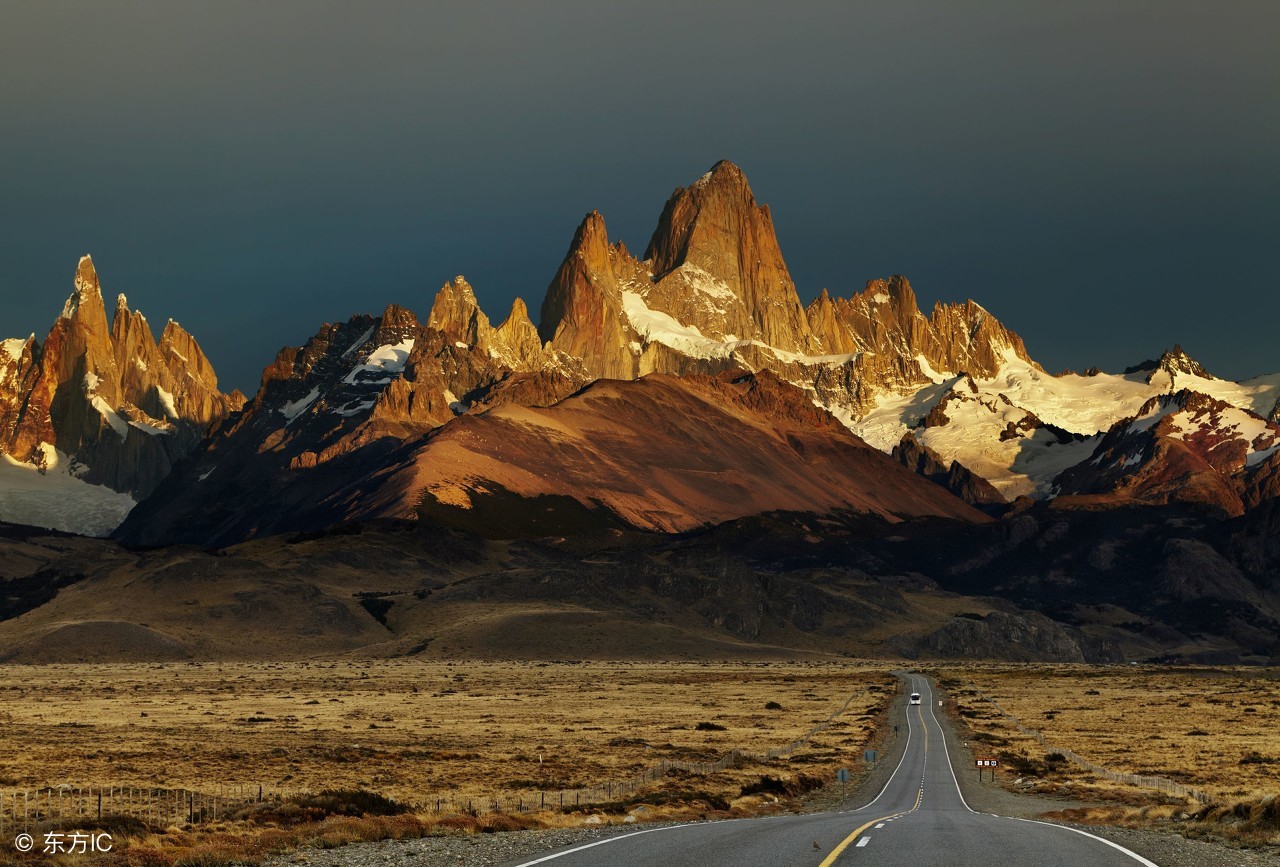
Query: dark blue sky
[[1101, 176]]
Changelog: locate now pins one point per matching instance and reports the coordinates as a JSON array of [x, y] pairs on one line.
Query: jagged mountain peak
[[86, 275], [120, 407], [519, 310], [173, 330], [713, 239], [896, 291], [590, 243], [456, 312], [1176, 362], [1165, 371], [723, 172], [582, 314], [708, 212], [85, 303], [592, 226]]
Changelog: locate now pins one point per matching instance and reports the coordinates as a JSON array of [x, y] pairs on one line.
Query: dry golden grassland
[[1211, 729], [411, 730], [418, 731]]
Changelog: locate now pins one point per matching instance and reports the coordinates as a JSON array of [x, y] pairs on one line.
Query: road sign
[[869, 756], [842, 775], [986, 763]]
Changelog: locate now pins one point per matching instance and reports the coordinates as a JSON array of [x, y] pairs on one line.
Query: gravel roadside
[[480, 850]]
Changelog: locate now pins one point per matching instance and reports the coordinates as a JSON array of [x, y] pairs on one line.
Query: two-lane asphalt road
[[919, 818]]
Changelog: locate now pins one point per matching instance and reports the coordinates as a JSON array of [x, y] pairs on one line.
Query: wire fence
[[23, 809], [1146, 781]]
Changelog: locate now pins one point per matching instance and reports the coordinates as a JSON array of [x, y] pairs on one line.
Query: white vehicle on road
[[915, 698]]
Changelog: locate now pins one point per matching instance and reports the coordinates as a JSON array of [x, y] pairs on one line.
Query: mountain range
[[668, 394]]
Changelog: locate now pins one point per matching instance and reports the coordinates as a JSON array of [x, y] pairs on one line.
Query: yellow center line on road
[[844, 844]]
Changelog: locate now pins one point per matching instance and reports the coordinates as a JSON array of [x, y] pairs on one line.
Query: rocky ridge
[[108, 400], [1185, 447], [711, 295]]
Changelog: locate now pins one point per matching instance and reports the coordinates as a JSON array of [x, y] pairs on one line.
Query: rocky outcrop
[[18, 370], [457, 314], [885, 318], [1174, 364], [1021, 637], [120, 405], [516, 342], [957, 479]]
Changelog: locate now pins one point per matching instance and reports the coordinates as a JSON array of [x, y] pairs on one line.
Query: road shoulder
[[1165, 848]]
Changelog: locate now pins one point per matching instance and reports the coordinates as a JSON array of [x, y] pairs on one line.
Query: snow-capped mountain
[[954, 394], [96, 415], [329, 414], [1184, 447], [1021, 427]]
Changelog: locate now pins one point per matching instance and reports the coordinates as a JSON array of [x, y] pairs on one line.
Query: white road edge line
[[906, 748], [945, 750], [556, 855], [1134, 855]]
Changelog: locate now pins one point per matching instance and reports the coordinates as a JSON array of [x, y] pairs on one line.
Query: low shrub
[[768, 785]]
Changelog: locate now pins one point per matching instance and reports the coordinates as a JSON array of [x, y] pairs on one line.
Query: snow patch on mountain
[[703, 281], [56, 499], [384, 363], [1084, 405], [1080, 404], [360, 341], [1234, 424], [658, 327], [150, 430], [295, 408], [90, 383], [357, 407], [166, 402], [894, 414], [1016, 466], [1258, 395], [927, 369], [13, 347]]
